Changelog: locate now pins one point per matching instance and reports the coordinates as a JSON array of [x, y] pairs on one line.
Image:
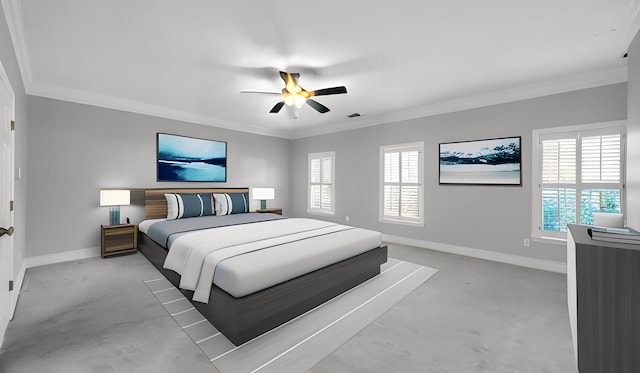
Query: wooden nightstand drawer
[[119, 239], [271, 211]]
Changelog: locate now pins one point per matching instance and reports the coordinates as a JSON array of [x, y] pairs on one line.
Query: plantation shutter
[[321, 189], [402, 183], [581, 173], [601, 159]]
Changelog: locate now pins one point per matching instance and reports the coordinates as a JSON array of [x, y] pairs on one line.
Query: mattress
[[245, 258]]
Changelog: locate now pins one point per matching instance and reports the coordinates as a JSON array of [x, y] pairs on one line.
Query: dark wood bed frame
[[242, 319]]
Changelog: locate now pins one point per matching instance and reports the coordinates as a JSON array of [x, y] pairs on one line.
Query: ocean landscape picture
[[487, 162], [182, 158]]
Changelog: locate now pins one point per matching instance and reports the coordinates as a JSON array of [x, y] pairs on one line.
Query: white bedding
[[276, 251], [145, 224]]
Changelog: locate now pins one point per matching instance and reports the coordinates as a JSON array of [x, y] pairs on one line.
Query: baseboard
[[17, 286], [545, 265], [66, 256]]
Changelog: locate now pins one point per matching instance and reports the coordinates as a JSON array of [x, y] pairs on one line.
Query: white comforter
[[196, 256]]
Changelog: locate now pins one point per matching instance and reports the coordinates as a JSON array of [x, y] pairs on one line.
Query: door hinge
[[10, 205], [13, 125], [11, 285]]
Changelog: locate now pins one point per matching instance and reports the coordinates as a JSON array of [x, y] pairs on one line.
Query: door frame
[[12, 298]]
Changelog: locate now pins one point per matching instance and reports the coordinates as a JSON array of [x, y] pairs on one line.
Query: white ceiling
[[400, 59]]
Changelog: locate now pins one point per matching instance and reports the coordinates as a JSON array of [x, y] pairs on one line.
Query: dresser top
[[580, 236]]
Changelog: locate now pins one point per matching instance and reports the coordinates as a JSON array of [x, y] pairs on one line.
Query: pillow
[[231, 203], [187, 205]]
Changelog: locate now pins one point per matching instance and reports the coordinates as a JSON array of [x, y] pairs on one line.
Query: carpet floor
[[98, 315], [302, 342]]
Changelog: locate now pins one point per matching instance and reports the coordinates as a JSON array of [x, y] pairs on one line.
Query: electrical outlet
[[526, 242]]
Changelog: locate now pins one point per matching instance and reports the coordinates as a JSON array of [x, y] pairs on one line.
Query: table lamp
[[114, 198], [263, 194]]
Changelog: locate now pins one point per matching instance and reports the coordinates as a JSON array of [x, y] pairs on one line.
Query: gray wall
[[10, 63], [482, 217], [633, 136], [75, 150]]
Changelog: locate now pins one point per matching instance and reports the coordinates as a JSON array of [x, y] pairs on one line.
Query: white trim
[[65, 256], [17, 286], [15, 23], [631, 21], [320, 211], [122, 104], [598, 78], [610, 75], [384, 149], [581, 127], [410, 223], [4, 78], [617, 74], [537, 234], [522, 261], [12, 299]]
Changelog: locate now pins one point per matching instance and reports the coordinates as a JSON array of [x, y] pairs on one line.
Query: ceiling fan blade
[[318, 106], [262, 92], [276, 108], [295, 76], [330, 91]]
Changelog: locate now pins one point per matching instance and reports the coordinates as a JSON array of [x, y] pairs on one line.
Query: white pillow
[[173, 206], [222, 203]]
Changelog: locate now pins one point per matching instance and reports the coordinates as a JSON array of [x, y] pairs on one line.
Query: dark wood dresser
[[603, 285]]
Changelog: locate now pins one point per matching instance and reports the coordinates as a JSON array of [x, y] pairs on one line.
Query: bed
[[241, 284]]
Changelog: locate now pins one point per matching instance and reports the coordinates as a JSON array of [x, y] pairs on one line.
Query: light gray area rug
[[302, 342]]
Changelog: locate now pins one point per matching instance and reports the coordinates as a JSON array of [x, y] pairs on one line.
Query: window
[[401, 189], [578, 171], [322, 183]]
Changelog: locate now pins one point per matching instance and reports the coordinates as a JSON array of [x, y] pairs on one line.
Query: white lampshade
[[114, 197], [264, 193]]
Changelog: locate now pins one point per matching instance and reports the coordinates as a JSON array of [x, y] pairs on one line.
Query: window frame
[[400, 219], [579, 132], [321, 155]]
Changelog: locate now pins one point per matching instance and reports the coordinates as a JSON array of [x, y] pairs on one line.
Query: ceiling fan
[[295, 96]]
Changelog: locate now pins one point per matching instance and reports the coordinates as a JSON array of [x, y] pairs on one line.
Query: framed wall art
[[181, 158], [481, 162]]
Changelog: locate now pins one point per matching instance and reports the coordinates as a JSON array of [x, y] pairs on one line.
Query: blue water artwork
[[182, 158], [489, 162]]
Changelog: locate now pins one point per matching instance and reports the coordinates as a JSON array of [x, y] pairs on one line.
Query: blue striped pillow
[[188, 205], [231, 203]]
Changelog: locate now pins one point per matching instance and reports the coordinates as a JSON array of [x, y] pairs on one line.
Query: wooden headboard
[[155, 204]]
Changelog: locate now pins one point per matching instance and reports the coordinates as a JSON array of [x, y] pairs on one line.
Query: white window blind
[[580, 172], [401, 183], [321, 183]]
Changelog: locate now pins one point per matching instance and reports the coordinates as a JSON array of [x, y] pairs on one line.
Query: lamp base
[[114, 215], [263, 204]]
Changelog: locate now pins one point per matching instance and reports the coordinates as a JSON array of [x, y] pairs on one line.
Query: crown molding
[[616, 74], [15, 22], [118, 103], [613, 75], [631, 21], [630, 25]]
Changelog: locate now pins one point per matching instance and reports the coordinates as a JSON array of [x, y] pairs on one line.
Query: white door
[[6, 195]]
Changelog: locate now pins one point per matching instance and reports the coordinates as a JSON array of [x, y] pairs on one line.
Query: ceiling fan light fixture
[[289, 100], [294, 96], [299, 100], [294, 99]]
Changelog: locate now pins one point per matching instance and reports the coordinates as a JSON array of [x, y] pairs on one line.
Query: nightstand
[[271, 211], [119, 239]]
